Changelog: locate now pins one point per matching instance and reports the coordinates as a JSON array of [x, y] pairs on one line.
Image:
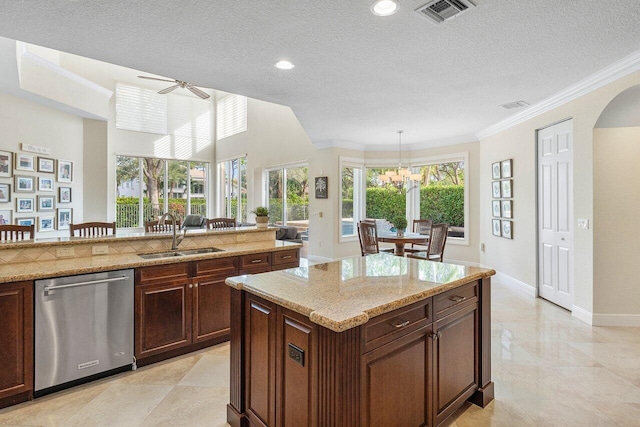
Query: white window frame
[[265, 181], [221, 205], [358, 196]]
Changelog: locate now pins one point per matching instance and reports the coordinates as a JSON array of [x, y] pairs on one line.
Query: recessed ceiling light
[[284, 65], [385, 7]]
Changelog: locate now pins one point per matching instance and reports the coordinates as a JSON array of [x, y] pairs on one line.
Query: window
[[351, 198], [233, 180], [384, 200], [148, 187], [288, 196], [140, 110], [231, 113]]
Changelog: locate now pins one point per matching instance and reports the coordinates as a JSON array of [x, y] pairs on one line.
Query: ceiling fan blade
[[198, 92], [169, 89], [155, 78]]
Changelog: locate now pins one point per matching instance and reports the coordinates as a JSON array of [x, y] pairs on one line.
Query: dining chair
[[437, 242], [368, 237], [220, 223], [420, 226], [92, 229], [156, 227], [16, 232]]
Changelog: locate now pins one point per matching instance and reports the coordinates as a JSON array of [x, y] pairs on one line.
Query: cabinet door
[[211, 309], [394, 382], [456, 360], [163, 317], [16, 338]]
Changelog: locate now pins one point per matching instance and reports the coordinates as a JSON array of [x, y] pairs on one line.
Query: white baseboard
[[582, 314], [467, 263], [616, 319], [516, 284]]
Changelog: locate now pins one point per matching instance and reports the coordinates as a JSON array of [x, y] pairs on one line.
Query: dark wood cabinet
[[255, 263], [16, 342]]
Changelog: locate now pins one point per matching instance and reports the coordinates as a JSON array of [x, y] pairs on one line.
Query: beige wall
[[96, 184], [22, 121]]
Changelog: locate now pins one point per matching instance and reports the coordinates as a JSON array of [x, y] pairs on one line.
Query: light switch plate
[[583, 224]]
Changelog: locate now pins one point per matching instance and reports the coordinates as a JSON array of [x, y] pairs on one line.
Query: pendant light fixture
[[401, 175]]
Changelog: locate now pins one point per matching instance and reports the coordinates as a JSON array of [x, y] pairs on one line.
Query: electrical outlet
[[99, 249], [65, 252], [583, 224]]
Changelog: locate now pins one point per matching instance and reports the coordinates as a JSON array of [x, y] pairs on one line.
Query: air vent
[[515, 104], [439, 11]]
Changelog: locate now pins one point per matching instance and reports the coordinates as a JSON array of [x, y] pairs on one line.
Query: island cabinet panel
[[16, 342]]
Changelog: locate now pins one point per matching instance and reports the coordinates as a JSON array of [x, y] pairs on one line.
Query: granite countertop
[[70, 266], [343, 294]]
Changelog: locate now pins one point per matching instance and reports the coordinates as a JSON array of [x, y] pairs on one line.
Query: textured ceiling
[[358, 77]]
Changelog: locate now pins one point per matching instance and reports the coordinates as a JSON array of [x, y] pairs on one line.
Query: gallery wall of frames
[[35, 189], [502, 203]]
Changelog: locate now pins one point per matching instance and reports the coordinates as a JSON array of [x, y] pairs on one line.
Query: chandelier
[[400, 175]]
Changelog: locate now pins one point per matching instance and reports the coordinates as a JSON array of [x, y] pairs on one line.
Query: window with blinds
[[231, 114], [140, 110]]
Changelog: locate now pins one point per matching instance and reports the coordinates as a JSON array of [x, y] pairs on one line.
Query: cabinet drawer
[[286, 257], [162, 272], [257, 261], [390, 326], [223, 267], [455, 298]]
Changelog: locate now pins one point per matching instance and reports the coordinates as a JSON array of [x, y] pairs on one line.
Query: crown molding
[[613, 72]]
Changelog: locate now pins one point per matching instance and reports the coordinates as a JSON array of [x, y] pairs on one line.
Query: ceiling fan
[[178, 84]]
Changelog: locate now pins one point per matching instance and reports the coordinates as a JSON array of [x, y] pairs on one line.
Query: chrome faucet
[[176, 239]]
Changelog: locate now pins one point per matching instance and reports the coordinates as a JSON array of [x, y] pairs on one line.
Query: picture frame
[[507, 168], [64, 194], [45, 184], [24, 184], [495, 171], [322, 186], [507, 229], [507, 189], [5, 193], [6, 164], [25, 221], [46, 165], [45, 203], [24, 204], [65, 171], [496, 227], [495, 189], [507, 206], [5, 216], [64, 218], [24, 162], [46, 223], [496, 208]]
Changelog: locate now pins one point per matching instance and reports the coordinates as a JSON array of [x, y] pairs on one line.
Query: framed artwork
[[495, 189], [24, 162], [5, 193], [507, 191], [64, 194], [46, 165], [45, 203], [45, 184], [6, 164], [507, 229], [506, 169], [322, 187], [496, 208], [496, 227], [65, 171], [506, 208], [24, 184], [495, 171], [5, 216], [24, 204], [46, 223], [25, 221], [64, 218]]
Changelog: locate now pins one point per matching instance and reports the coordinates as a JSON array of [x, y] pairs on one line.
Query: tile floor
[[549, 370]]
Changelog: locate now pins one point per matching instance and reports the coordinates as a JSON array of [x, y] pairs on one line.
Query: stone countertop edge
[[98, 263], [239, 282]]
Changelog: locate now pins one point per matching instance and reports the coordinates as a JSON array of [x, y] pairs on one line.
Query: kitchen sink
[[200, 251], [180, 253], [160, 255]]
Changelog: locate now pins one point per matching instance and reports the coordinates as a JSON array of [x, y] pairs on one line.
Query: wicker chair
[[92, 229], [420, 226], [156, 227], [16, 232], [368, 237], [437, 242], [220, 223]]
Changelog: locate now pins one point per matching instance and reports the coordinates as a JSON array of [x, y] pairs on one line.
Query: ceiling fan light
[[384, 7]]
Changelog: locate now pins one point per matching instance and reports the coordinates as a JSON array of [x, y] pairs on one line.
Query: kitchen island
[[366, 341]]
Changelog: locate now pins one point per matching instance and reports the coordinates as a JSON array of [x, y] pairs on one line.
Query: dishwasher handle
[[47, 289]]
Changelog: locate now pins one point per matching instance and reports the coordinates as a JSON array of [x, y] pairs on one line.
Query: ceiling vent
[[515, 104], [439, 11]]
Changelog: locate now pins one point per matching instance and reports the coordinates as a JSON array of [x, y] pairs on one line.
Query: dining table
[[400, 241]]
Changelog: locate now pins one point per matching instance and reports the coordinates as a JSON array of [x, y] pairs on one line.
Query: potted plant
[[262, 216], [400, 223]]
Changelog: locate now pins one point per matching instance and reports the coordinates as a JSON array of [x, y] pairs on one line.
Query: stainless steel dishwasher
[[83, 328]]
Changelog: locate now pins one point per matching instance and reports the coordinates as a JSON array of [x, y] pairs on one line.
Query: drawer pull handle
[[286, 257], [256, 261], [457, 298], [434, 336], [401, 324]]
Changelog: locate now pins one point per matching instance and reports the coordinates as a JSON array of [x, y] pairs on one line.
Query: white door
[[555, 213]]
